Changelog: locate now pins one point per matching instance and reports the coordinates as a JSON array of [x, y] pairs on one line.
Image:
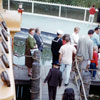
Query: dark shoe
[[66, 84]]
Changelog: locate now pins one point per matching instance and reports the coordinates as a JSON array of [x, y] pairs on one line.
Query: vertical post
[[59, 10], [8, 4], [33, 7], [85, 15], [35, 84]]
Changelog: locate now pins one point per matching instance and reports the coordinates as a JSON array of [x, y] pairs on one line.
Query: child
[[54, 78], [94, 62]]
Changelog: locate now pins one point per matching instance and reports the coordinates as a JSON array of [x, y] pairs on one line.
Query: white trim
[[60, 7], [32, 7], [85, 15], [59, 10]]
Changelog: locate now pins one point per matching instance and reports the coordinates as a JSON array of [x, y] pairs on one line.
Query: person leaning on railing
[[30, 45], [92, 12]]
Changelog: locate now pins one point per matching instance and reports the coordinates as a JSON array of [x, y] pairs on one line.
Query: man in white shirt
[[65, 58], [75, 36]]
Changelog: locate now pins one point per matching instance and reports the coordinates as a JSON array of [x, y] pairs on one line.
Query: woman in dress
[[30, 45]]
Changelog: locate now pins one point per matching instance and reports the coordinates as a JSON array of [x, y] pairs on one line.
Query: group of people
[[54, 77], [34, 41], [64, 47]]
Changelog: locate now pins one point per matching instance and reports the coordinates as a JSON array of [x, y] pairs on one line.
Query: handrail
[[55, 4], [81, 79]]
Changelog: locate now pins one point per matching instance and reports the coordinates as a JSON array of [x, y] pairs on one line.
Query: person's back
[[84, 47], [92, 11], [65, 58], [55, 46], [67, 50], [85, 51], [54, 79]]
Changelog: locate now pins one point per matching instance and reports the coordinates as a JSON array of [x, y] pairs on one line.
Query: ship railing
[[50, 9], [79, 81]]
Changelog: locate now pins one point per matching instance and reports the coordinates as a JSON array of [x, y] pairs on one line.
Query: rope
[[17, 55], [20, 67], [18, 45], [26, 56], [80, 79], [33, 92], [33, 79], [77, 86]]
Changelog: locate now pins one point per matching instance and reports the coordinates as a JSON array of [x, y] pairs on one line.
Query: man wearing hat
[[54, 79], [55, 46]]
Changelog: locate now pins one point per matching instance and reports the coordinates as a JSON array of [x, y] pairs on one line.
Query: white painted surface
[[52, 24]]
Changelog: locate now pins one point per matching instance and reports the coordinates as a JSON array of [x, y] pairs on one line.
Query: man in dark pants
[[54, 78], [55, 46]]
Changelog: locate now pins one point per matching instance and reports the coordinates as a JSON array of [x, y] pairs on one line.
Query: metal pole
[[35, 84], [85, 15], [33, 7], [81, 81], [59, 10], [8, 4]]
